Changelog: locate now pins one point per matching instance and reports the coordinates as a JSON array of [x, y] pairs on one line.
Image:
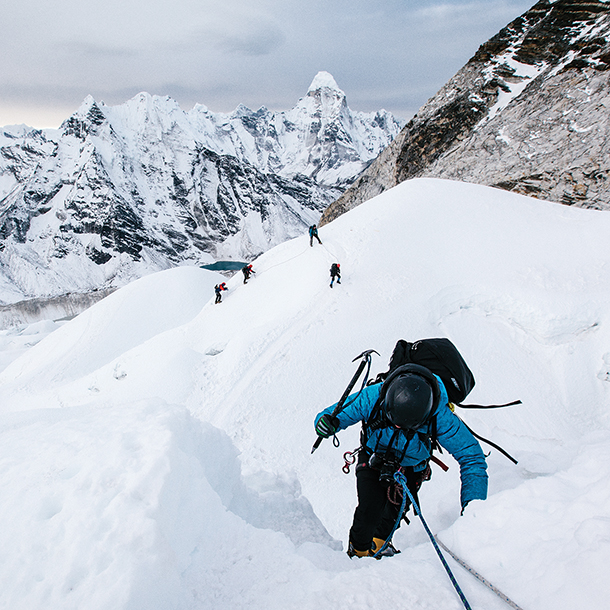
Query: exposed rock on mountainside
[[528, 113], [118, 192]]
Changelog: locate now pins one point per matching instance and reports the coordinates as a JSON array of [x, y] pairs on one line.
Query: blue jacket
[[451, 434]]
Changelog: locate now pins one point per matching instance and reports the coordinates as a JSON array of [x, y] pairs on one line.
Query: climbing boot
[[352, 552], [389, 551]]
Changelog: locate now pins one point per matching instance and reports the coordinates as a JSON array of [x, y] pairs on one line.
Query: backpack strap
[[375, 421], [508, 404], [482, 438], [434, 444]]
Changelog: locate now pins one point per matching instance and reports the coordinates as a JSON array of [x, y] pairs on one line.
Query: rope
[[297, 256], [285, 261], [479, 577], [331, 254], [400, 478]]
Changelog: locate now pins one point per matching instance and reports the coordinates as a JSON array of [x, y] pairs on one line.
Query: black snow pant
[[311, 239], [379, 504]]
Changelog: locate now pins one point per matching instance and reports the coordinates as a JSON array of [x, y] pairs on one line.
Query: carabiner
[[350, 458]]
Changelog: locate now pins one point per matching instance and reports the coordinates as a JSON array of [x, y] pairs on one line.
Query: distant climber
[[247, 271], [219, 289], [335, 272], [313, 232]]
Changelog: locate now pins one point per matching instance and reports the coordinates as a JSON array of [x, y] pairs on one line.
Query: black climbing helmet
[[408, 401]]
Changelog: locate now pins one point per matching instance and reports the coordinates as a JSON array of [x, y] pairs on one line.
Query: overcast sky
[[391, 54]]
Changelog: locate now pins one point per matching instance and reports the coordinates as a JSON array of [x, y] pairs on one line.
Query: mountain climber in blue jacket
[[402, 419], [313, 232]]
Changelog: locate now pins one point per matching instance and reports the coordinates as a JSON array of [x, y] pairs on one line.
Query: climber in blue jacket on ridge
[[402, 419]]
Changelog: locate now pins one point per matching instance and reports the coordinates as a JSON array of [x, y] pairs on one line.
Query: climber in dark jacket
[[414, 407], [247, 271], [218, 289], [335, 272]]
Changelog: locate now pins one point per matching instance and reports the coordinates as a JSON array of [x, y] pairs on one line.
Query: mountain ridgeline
[[120, 191], [528, 113]]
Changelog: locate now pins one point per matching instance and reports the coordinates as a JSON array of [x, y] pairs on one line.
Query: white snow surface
[[155, 450], [324, 79]]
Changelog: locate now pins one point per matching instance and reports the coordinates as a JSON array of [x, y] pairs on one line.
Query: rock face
[[118, 192], [528, 113]]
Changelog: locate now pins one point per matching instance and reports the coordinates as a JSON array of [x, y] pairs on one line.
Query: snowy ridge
[[119, 192], [155, 451]]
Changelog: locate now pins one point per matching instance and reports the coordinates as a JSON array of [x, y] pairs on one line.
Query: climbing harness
[[480, 578], [366, 360], [400, 478]]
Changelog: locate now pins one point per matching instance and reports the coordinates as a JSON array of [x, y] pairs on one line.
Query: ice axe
[[366, 359]]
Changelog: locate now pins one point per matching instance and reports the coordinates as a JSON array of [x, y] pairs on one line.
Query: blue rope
[[400, 478]]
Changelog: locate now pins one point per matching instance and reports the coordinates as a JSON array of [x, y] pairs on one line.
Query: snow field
[[184, 428]]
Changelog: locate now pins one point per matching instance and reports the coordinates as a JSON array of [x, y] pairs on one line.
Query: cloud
[[261, 40], [254, 36], [391, 53], [96, 50], [444, 14]]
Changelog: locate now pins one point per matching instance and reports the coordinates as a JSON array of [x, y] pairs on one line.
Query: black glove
[[327, 425]]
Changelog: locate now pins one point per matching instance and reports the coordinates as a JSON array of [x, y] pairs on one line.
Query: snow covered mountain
[[528, 113], [155, 450], [118, 192]]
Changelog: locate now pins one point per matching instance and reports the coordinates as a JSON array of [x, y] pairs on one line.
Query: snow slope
[[155, 451]]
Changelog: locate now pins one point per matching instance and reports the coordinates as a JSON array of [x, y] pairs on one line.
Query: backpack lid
[[442, 358]]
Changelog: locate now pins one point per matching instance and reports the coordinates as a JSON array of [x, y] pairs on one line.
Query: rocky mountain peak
[[528, 113], [85, 120], [324, 99]]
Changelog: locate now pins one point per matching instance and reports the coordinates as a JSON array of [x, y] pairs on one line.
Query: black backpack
[[442, 358]]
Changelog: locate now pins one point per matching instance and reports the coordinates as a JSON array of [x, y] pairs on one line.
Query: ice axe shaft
[[366, 359]]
